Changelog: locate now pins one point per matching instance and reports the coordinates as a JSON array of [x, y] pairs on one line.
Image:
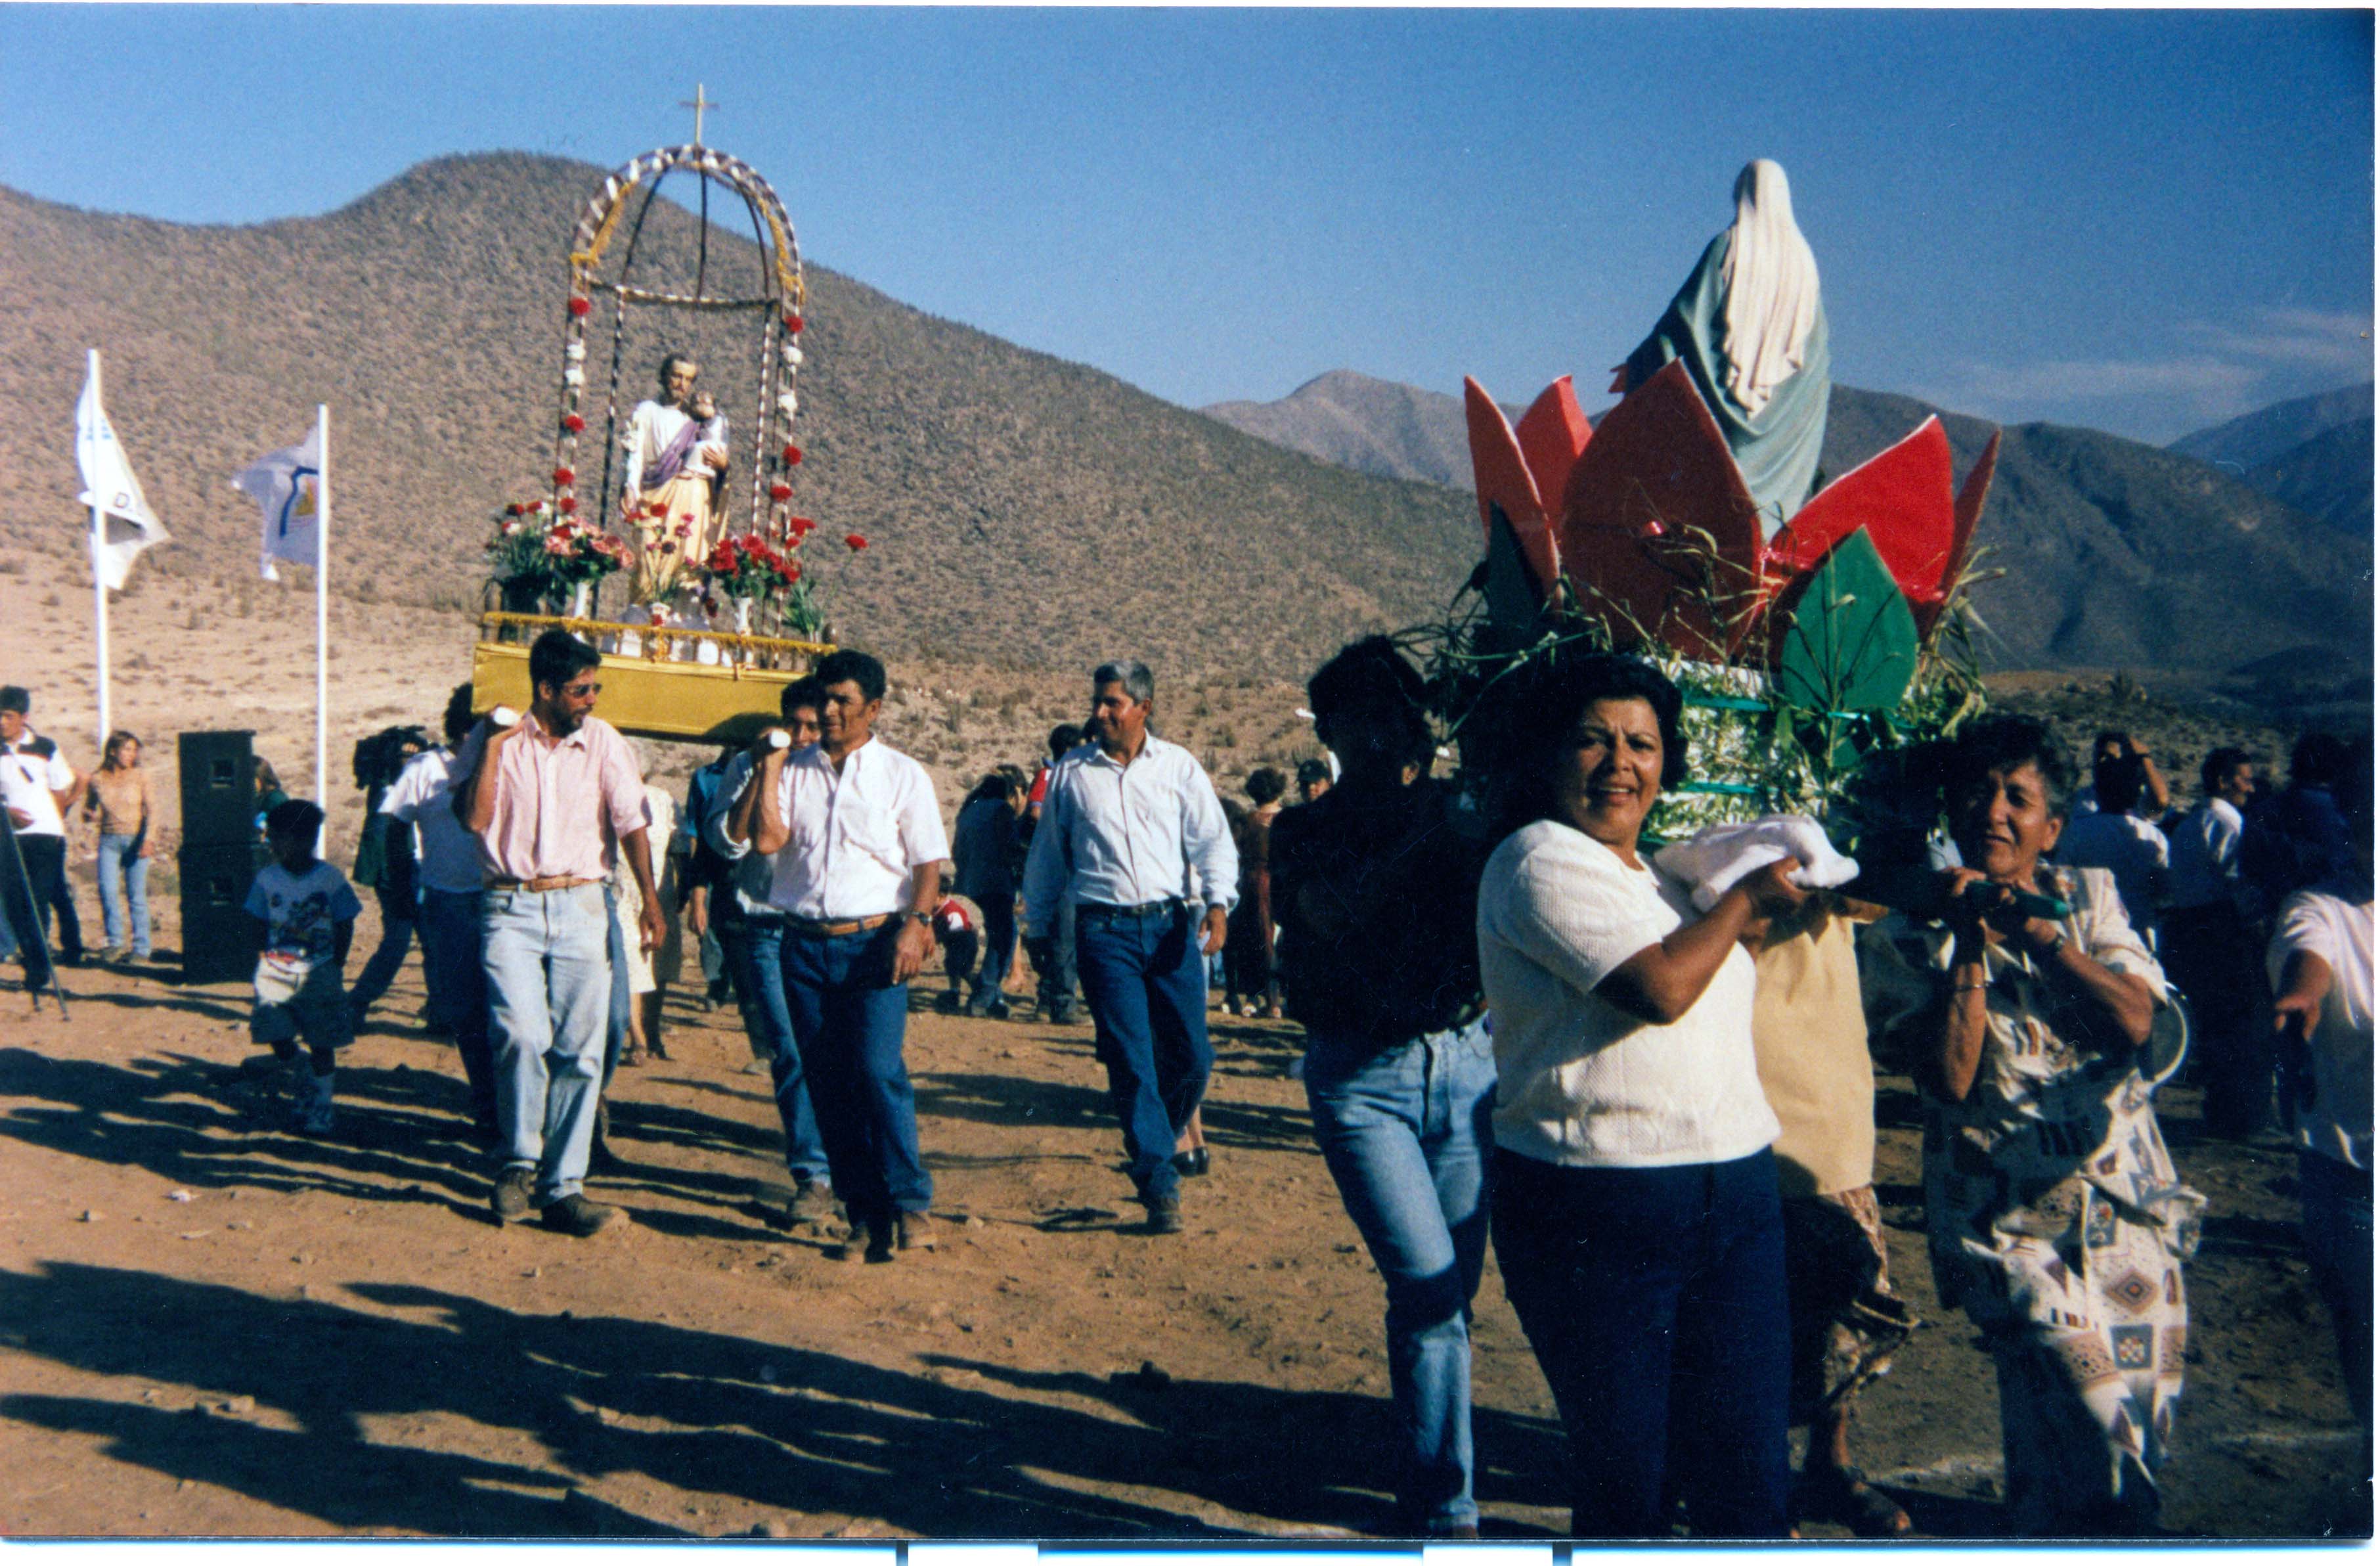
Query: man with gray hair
[[1133, 835]]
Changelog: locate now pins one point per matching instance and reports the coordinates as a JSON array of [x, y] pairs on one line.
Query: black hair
[[2316, 760], [2220, 763], [1313, 770], [1372, 672], [1064, 737], [379, 758], [2003, 743], [2109, 736], [804, 692], [458, 719], [15, 699], [2121, 781], [294, 818], [994, 785], [849, 663], [1266, 784], [557, 658]]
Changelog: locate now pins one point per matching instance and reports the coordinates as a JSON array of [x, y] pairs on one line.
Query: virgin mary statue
[[1752, 331]]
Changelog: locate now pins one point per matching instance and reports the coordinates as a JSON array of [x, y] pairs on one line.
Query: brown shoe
[[576, 1216], [914, 1232]]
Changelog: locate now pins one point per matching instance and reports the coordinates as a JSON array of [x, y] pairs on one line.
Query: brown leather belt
[[539, 884], [837, 926]]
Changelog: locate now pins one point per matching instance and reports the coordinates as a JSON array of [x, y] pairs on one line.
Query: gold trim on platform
[[646, 692]]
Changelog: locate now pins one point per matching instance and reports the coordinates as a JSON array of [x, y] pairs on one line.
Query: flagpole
[[322, 623], [99, 583]]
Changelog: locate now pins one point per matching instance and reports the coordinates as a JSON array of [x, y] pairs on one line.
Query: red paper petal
[[855, 542], [565, 476], [793, 322], [1660, 456], [1965, 511], [572, 423], [1901, 496], [1552, 434], [793, 456], [1503, 482], [569, 503], [781, 492], [580, 304]]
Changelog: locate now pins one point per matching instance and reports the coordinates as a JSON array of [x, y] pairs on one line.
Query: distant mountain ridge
[[2255, 439], [2114, 554], [1384, 428], [1021, 511]]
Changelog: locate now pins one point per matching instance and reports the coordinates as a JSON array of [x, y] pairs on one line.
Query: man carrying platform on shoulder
[[551, 799]]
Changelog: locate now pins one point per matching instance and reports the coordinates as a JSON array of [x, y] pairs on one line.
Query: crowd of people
[[1646, 1077]]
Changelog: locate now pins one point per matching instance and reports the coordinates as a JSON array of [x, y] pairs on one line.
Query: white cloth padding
[[1716, 858]]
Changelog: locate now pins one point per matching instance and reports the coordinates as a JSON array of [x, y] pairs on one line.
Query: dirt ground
[[210, 1325]]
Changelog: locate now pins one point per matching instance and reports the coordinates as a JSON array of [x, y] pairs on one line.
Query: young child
[[955, 923], [307, 912]]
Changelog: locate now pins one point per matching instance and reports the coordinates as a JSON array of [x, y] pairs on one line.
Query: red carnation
[[565, 476], [572, 423], [793, 454], [569, 504], [855, 541], [793, 572], [793, 322], [781, 492], [580, 304]]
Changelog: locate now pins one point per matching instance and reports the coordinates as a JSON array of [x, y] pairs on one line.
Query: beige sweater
[[122, 799]]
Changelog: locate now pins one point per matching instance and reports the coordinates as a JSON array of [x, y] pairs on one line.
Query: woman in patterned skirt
[[2053, 1213]]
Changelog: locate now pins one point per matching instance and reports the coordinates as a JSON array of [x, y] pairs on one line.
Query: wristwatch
[[921, 919]]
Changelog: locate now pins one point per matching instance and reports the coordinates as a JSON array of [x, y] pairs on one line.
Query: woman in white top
[[1636, 1211]]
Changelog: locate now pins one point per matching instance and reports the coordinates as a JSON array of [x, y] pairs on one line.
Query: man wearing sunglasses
[[551, 800]]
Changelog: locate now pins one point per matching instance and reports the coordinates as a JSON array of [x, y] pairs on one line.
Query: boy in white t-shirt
[[307, 912]]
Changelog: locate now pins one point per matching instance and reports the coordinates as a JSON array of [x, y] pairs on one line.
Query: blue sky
[[2144, 222]]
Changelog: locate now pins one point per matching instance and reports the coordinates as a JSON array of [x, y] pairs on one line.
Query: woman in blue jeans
[[1636, 1216], [1372, 885], [119, 794]]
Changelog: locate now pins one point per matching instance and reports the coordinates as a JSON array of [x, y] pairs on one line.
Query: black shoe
[[577, 1217], [511, 1198], [1192, 1162], [997, 1011], [1062, 1013], [1164, 1215]]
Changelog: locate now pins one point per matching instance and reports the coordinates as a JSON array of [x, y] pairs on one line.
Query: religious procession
[[1609, 900]]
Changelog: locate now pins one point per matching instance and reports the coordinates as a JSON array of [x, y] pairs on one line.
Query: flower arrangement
[[538, 548]]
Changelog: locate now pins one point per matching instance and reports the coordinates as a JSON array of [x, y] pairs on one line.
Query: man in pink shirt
[[550, 800]]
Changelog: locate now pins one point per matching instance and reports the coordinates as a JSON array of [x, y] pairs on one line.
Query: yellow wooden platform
[[648, 692]]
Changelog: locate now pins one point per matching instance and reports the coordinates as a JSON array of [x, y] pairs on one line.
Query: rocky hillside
[[1023, 511]]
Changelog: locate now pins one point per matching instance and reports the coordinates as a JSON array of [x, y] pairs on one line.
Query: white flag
[[126, 526], [288, 486]]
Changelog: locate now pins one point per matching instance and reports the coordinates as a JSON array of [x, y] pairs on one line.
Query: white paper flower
[[574, 352], [574, 376], [787, 403]]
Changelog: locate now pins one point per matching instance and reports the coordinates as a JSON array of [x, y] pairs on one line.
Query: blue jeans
[[2337, 1204], [999, 950], [754, 948], [1146, 981], [396, 939], [458, 987], [549, 972], [1404, 1131], [124, 875], [1655, 1299], [851, 1019]]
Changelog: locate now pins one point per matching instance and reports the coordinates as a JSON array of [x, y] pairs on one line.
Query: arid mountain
[[2330, 476], [2253, 439], [2116, 554], [1379, 427], [1023, 511]]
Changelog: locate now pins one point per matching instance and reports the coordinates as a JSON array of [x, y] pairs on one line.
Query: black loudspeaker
[[218, 939], [219, 789]]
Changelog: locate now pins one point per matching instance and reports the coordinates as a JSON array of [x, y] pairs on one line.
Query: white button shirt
[[858, 835], [31, 781], [423, 795], [1146, 833]]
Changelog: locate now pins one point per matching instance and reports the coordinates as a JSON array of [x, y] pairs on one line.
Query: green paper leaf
[[1512, 593], [1852, 645]]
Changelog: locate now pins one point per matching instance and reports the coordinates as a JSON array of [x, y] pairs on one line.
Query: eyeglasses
[[584, 687]]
